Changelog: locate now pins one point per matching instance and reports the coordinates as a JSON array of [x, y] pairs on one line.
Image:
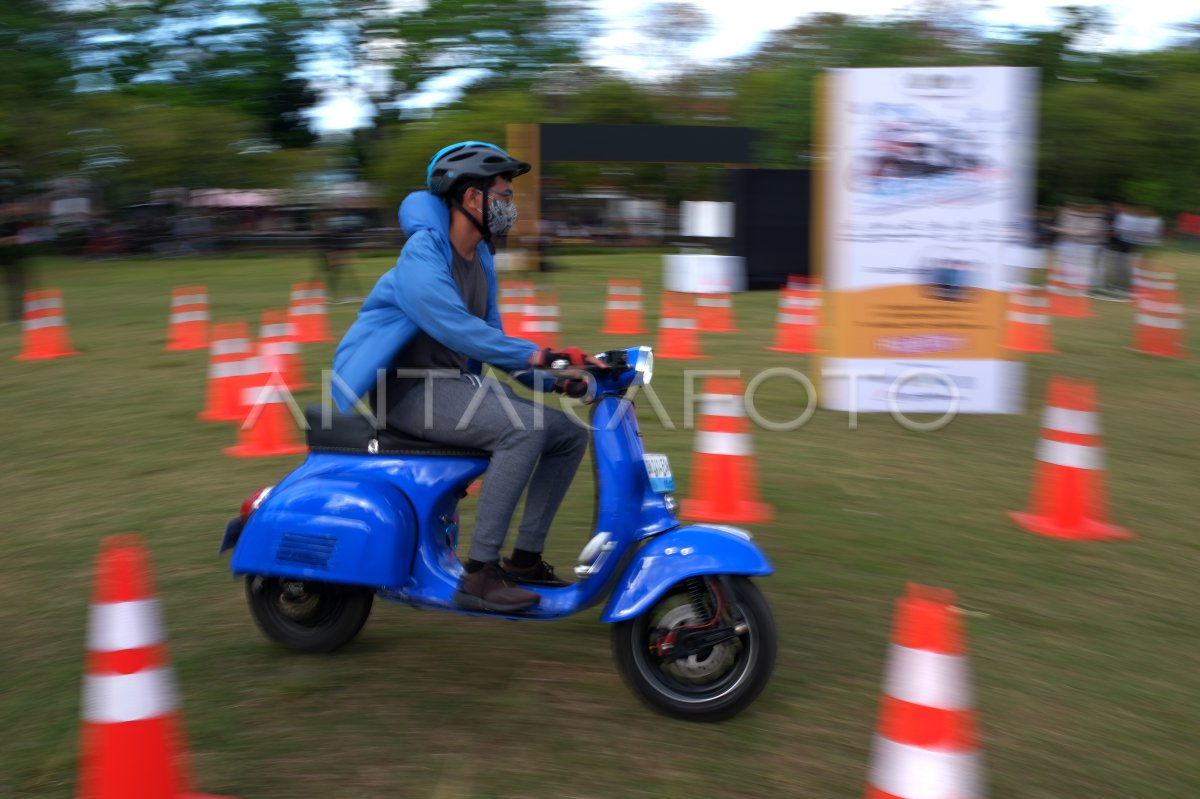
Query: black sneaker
[[488, 590], [540, 573]]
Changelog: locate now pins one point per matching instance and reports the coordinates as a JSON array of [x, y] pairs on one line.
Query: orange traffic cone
[[623, 309], [1068, 291], [1068, 494], [716, 313], [796, 323], [1028, 323], [514, 297], [541, 320], [228, 352], [1158, 324], [44, 327], [725, 488], [926, 743], [132, 741], [677, 330], [187, 326], [268, 427], [1147, 281], [277, 339], [306, 312]]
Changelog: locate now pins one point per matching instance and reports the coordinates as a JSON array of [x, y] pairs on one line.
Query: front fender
[[331, 529], [676, 555]]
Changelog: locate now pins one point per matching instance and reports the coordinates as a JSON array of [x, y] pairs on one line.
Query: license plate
[[658, 468]]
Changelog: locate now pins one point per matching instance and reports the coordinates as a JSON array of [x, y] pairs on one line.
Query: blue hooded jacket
[[419, 293]]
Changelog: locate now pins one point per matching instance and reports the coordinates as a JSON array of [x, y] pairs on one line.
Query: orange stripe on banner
[[930, 727], [127, 661]]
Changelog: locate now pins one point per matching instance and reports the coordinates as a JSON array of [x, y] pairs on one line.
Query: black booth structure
[[772, 206]]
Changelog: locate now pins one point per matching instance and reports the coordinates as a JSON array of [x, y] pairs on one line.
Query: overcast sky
[[740, 25]]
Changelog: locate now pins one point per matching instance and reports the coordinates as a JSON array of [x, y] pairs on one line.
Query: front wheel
[[308, 616], [704, 652]]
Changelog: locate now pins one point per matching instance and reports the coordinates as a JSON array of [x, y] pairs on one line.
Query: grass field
[[1084, 655]]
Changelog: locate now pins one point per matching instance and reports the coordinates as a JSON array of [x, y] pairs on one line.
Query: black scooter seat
[[355, 435]]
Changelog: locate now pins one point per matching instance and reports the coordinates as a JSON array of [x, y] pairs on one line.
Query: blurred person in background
[[1080, 231], [1114, 259], [15, 250], [333, 260], [436, 310]]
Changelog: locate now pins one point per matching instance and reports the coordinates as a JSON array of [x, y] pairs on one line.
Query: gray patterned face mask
[[502, 215]]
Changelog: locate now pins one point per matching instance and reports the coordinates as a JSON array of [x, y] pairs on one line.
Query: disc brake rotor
[[693, 667]]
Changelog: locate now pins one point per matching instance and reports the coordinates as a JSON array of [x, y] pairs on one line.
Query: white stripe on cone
[[188, 299], [117, 698], [677, 324], [114, 626], [43, 304], [229, 369], [189, 316], [913, 772], [1074, 456], [792, 319], [721, 405], [1027, 318], [1159, 322], [928, 678], [1165, 308], [1066, 420], [541, 327], [800, 302], [306, 310], [628, 291], [230, 346], [308, 294], [1032, 302], [275, 331], [617, 305], [43, 321], [714, 302], [270, 348], [713, 443]]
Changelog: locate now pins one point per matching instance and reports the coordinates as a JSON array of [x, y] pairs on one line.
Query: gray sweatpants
[[525, 441]]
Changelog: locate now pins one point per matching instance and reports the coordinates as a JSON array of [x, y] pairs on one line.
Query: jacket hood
[[422, 211]]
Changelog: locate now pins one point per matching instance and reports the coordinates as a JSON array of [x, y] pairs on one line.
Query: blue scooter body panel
[[676, 555], [344, 519]]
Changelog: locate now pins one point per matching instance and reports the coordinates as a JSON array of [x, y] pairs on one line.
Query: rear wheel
[[308, 616], [703, 652]]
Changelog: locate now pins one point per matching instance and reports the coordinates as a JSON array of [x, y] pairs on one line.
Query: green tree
[[35, 91]]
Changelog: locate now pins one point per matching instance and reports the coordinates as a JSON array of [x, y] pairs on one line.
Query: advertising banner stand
[[926, 189]]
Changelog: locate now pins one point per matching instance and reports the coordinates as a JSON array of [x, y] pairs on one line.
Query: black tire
[[308, 616], [713, 687]]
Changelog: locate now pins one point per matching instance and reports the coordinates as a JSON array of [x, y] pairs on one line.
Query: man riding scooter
[[431, 322]]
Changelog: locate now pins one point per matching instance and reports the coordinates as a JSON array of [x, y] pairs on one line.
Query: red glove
[[572, 355]]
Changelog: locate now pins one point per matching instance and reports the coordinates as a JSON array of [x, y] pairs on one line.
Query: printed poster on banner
[[927, 186]]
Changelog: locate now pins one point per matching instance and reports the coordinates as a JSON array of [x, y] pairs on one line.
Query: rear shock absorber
[[697, 593]]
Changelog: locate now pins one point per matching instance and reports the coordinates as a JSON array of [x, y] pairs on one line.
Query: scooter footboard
[[331, 530], [676, 555]]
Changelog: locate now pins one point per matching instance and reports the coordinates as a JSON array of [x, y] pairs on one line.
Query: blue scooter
[[373, 513]]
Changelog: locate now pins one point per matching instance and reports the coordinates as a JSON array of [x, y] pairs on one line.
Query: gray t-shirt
[[426, 352]]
